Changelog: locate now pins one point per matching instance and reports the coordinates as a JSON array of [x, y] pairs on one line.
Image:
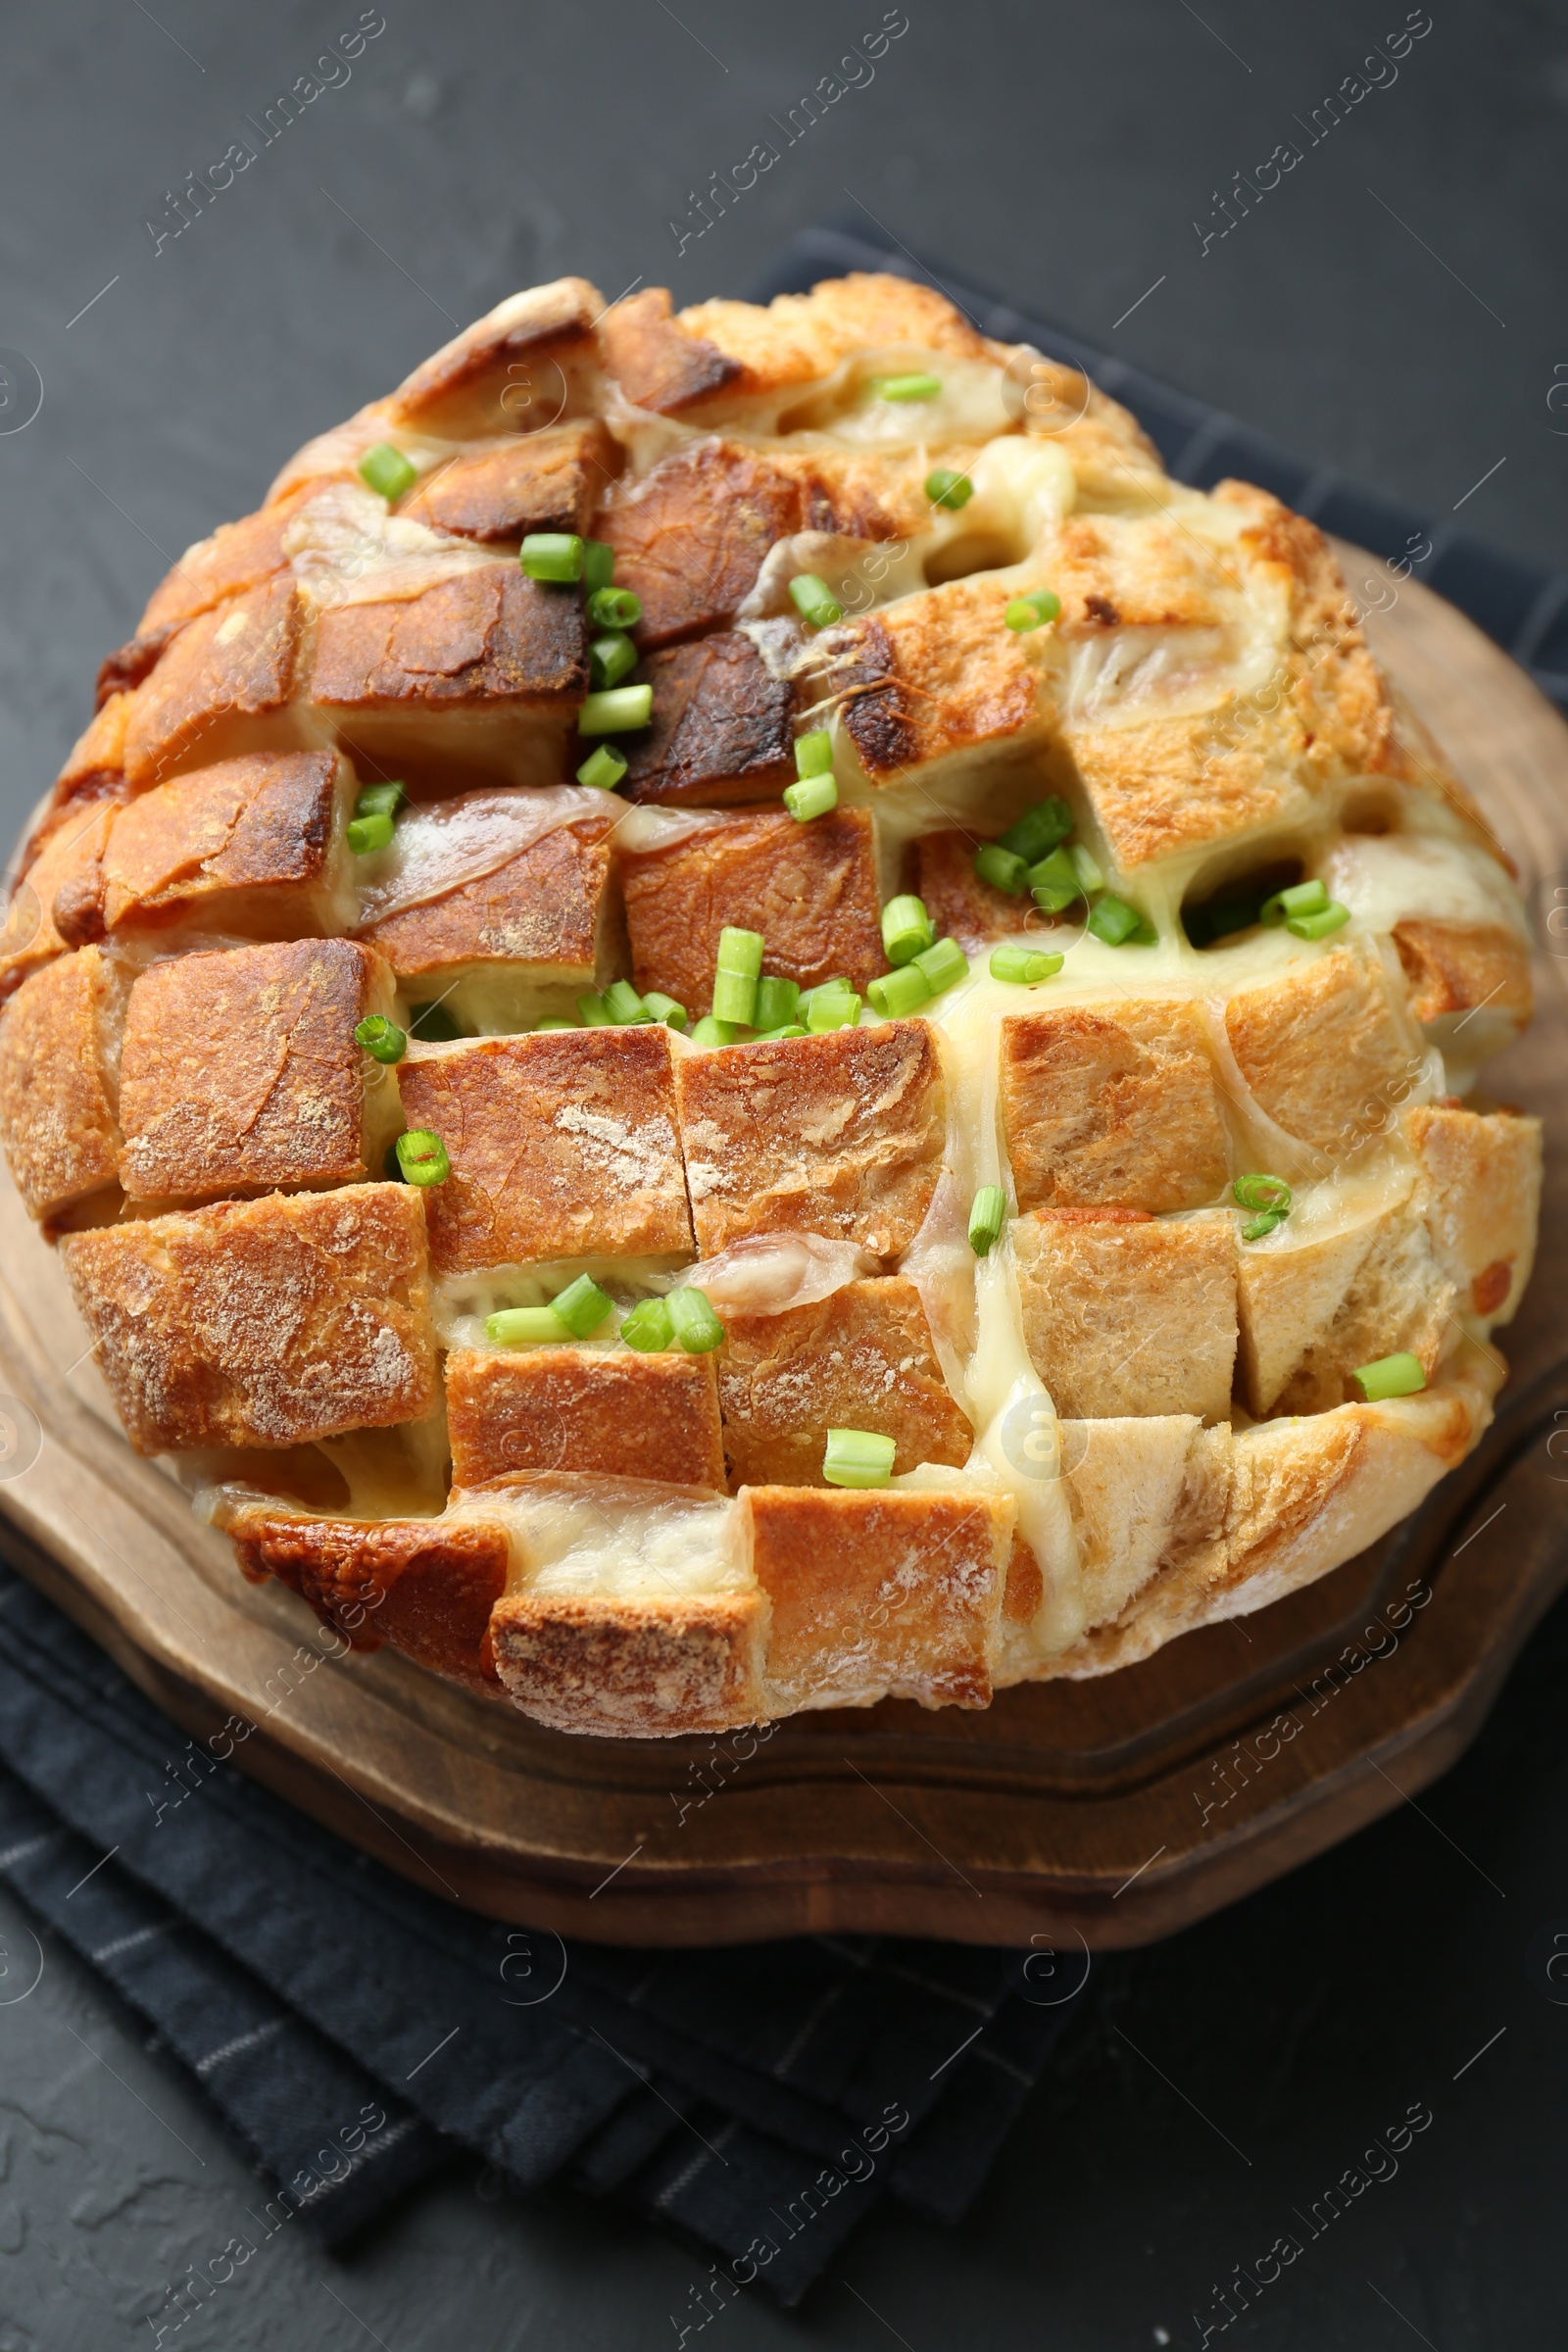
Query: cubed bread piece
[[261, 1322], [841, 1134], [242, 1073], [1129, 1314], [238, 556], [1291, 1292], [797, 338], [59, 1048], [645, 1666], [810, 891], [1322, 1051], [94, 768], [1111, 1104], [549, 480], [1146, 1494], [528, 363], [898, 1593], [860, 1358], [1459, 967], [691, 535], [425, 1587], [1315, 1309], [721, 729], [958, 903], [253, 844], [935, 676], [483, 669], [562, 1144], [223, 686], [580, 1409], [659, 362], [65, 874], [1481, 1200]]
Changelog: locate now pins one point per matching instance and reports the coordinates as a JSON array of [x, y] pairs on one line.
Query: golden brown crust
[[244, 845], [721, 728], [797, 338], [1180, 782], [1481, 1202], [1459, 967], [1128, 1316], [1322, 1052], [861, 1358], [549, 480], [958, 903], [840, 1135], [661, 364], [487, 638], [549, 908], [58, 1112], [561, 1143], [933, 675], [68, 874], [638, 1669], [691, 535], [1111, 1104], [811, 890], [261, 1322], [512, 372], [235, 663], [238, 556], [580, 1409]]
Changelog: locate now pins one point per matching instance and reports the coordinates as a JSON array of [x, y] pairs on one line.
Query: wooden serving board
[[1111, 1811]]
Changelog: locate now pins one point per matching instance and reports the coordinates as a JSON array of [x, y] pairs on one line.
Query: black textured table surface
[[1392, 308]]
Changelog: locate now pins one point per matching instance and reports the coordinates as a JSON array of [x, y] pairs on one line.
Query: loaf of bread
[[734, 1018]]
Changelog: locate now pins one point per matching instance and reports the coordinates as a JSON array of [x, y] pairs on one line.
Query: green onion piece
[[1032, 612], [740, 951], [367, 834], [665, 1009], [697, 1327], [831, 1008], [942, 964], [523, 1327], [773, 1037], [1318, 926], [1037, 830], [615, 711], [613, 608], [552, 556], [712, 1032], [1261, 1191], [380, 800], [622, 1004], [1302, 898], [814, 753], [907, 928], [1002, 869], [1390, 1376], [603, 769], [381, 1039], [594, 1012], [432, 1024], [857, 1458], [1026, 966], [1259, 1229], [945, 488], [648, 1328], [907, 387], [386, 470], [986, 1218], [1054, 882], [597, 566], [1114, 921], [899, 993], [777, 1002], [838, 985], [541, 1026], [422, 1157], [740, 962], [1084, 866], [582, 1307], [814, 600], [813, 798], [611, 657]]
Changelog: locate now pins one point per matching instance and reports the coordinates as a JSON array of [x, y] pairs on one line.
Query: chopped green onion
[[1114, 921], [1034, 611], [813, 797], [552, 556], [616, 711], [603, 769], [386, 470], [1037, 830], [945, 488], [432, 1024], [523, 1327], [943, 963], [1002, 869], [582, 1307], [540, 1027], [622, 1004], [1259, 1229], [1026, 966], [1054, 882], [610, 658], [381, 1039], [831, 1008], [774, 1037], [594, 1012], [814, 753], [740, 961], [1084, 866], [986, 1218], [1319, 924], [899, 993], [697, 1327], [422, 1157], [712, 1032], [907, 928], [648, 1328], [814, 600], [380, 800], [597, 566], [1390, 1376], [665, 1009], [907, 387], [1302, 898], [1261, 1191], [777, 1001], [367, 834], [613, 608], [857, 1458]]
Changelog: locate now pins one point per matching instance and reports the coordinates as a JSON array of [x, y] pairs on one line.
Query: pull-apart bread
[[930, 995]]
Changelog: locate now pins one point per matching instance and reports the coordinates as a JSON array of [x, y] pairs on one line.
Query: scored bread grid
[[1198, 687]]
